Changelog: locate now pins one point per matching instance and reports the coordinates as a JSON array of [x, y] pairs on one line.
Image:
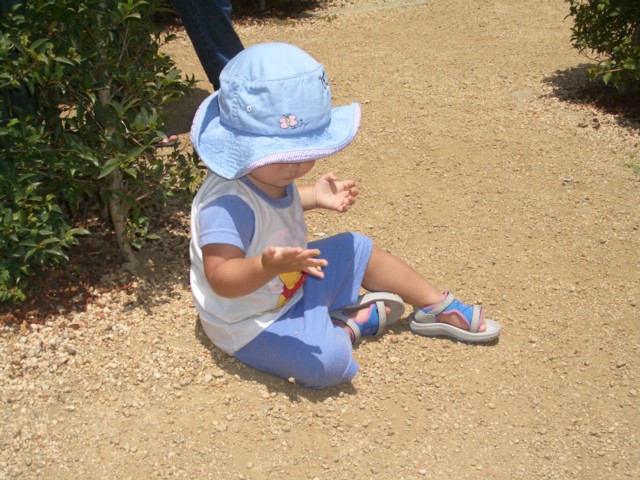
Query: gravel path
[[480, 166]]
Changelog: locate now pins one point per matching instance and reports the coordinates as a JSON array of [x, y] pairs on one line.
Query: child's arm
[[330, 193], [231, 274]]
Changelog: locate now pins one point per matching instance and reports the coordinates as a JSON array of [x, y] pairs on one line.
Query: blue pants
[[208, 24], [304, 343]]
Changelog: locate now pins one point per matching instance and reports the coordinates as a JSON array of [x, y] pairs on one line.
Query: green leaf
[[109, 167], [78, 231], [36, 44], [134, 153], [28, 243], [30, 254], [49, 240], [56, 252], [132, 172], [26, 176], [61, 59]]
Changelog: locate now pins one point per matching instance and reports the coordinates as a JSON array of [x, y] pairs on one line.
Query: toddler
[[263, 293]]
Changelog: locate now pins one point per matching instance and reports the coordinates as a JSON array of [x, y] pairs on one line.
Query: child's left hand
[[333, 194]]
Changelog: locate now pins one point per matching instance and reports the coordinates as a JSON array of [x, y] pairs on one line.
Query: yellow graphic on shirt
[[292, 282]]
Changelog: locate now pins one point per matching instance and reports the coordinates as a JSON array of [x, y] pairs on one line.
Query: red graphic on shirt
[[292, 281]]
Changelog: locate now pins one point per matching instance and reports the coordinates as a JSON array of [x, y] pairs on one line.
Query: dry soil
[[478, 164]]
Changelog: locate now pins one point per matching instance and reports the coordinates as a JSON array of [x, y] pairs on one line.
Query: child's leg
[[311, 350], [317, 352], [390, 274], [304, 343]]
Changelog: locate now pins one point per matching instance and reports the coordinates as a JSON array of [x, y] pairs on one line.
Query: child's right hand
[[293, 259]]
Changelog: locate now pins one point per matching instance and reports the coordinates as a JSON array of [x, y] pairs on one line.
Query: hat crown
[[274, 89]]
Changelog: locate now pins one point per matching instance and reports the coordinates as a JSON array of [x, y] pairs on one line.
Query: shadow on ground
[[180, 114], [95, 267], [274, 385], [574, 85]]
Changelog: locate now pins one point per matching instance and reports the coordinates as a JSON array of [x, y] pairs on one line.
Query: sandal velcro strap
[[357, 328], [432, 315], [382, 317], [476, 319]]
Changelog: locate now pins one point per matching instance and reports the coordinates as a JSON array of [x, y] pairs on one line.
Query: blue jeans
[[208, 24]]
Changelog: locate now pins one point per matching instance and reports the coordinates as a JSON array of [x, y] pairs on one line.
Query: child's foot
[[454, 319], [370, 316], [367, 323]]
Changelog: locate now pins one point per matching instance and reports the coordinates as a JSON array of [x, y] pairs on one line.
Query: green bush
[[82, 84], [611, 30]]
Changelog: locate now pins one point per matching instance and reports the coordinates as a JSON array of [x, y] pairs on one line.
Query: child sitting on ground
[[264, 294]]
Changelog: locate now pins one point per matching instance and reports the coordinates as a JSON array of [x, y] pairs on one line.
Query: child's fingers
[[294, 258], [329, 176], [313, 265], [310, 253], [315, 272], [269, 254], [285, 252]]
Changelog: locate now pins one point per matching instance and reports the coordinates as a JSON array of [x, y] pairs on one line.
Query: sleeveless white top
[[231, 323]]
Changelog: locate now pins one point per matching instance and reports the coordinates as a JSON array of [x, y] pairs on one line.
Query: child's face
[[280, 174]]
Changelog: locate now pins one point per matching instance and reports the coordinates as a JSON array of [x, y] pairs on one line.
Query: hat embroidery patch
[[289, 120]]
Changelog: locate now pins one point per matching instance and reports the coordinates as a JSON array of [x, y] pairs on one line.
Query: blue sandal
[[378, 319], [424, 321]]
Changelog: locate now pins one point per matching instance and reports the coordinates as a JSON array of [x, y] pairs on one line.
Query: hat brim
[[232, 153]]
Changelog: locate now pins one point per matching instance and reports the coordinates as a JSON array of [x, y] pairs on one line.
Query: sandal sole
[[445, 330]]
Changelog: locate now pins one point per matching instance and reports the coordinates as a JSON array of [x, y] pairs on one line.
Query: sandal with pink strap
[[426, 321]]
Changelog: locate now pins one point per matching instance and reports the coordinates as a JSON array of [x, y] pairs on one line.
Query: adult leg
[[208, 24]]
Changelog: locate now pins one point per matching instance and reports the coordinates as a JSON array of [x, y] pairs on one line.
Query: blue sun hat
[[273, 106]]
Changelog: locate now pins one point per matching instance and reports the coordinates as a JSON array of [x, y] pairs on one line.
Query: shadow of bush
[[180, 113], [574, 85]]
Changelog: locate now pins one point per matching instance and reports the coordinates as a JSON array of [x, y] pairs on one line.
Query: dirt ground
[[480, 165]]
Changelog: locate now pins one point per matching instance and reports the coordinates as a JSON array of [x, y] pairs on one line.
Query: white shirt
[[231, 323]]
